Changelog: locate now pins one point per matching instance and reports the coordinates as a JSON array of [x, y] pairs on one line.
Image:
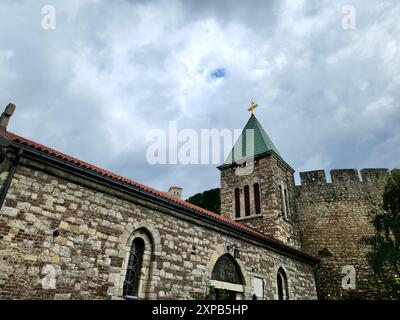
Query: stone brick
[[11, 212]]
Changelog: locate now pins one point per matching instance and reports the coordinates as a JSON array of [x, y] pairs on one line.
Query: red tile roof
[[37, 146]]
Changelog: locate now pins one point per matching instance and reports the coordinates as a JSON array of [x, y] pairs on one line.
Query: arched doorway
[[227, 279]]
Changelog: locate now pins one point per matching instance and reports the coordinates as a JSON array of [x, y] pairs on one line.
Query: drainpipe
[[13, 167], [315, 269]]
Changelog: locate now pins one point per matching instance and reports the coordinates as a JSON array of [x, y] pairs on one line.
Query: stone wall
[[333, 217], [66, 237], [270, 172]]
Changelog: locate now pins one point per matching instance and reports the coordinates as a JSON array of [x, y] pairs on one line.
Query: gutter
[[11, 172], [122, 186]]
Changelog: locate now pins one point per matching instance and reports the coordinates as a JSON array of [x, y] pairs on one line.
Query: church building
[[71, 230]]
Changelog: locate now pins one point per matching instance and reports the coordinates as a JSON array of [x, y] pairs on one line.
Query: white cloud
[[112, 70]]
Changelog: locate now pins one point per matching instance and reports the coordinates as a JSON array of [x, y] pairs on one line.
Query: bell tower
[[257, 185]]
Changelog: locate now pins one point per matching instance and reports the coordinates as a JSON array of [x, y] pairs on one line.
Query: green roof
[[262, 143]]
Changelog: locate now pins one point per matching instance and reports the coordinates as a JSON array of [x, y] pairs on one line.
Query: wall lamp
[[235, 248]]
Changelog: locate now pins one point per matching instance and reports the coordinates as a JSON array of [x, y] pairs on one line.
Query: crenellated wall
[[344, 176], [333, 217]]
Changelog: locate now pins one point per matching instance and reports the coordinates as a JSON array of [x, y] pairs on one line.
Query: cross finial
[[252, 106]]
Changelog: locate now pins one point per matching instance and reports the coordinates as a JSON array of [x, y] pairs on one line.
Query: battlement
[[312, 177], [333, 215], [374, 175], [344, 177]]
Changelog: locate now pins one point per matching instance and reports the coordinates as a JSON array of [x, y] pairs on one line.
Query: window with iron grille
[[131, 283]]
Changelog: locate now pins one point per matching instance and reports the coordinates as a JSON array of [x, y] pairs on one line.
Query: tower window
[[256, 188], [237, 203], [247, 200], [131, 283], [280, 195], [286, 204]]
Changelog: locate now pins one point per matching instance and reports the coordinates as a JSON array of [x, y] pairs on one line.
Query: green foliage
[[384, 258], [212, 295], [209, 200], [196, 295], [222, 294], [333, 297]]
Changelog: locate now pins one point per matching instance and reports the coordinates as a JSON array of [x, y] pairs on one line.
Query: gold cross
[[252, 107]]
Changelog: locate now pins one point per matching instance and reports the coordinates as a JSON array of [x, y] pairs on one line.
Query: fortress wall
[[333, 217]]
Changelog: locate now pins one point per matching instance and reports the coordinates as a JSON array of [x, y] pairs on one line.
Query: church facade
[[71, 230]]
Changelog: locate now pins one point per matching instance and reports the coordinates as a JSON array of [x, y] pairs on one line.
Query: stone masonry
[[333, 217], [63, 236], [270, 172]]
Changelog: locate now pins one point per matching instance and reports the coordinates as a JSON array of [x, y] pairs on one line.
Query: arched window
[[131, 283], [256, 188], [282, 285], [286, 204], [237, 203], [247, 200]]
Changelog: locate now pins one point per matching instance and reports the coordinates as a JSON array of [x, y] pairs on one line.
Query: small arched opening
[[282, 285], [137, 265]]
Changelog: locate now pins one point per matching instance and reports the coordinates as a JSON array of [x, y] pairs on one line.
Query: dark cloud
[[113, 70]]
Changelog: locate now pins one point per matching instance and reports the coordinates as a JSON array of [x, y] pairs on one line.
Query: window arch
[[256, 189], [226, 269], [247, 200], [134, 268], [237, 203], [282, 285]]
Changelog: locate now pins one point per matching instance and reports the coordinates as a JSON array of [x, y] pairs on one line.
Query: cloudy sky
[[113, 70]]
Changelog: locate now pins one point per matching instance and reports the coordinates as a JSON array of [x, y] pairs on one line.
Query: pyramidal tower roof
[[243, 147]]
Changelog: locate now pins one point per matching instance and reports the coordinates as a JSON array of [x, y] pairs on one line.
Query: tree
[[209, 200], [384, 258]]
